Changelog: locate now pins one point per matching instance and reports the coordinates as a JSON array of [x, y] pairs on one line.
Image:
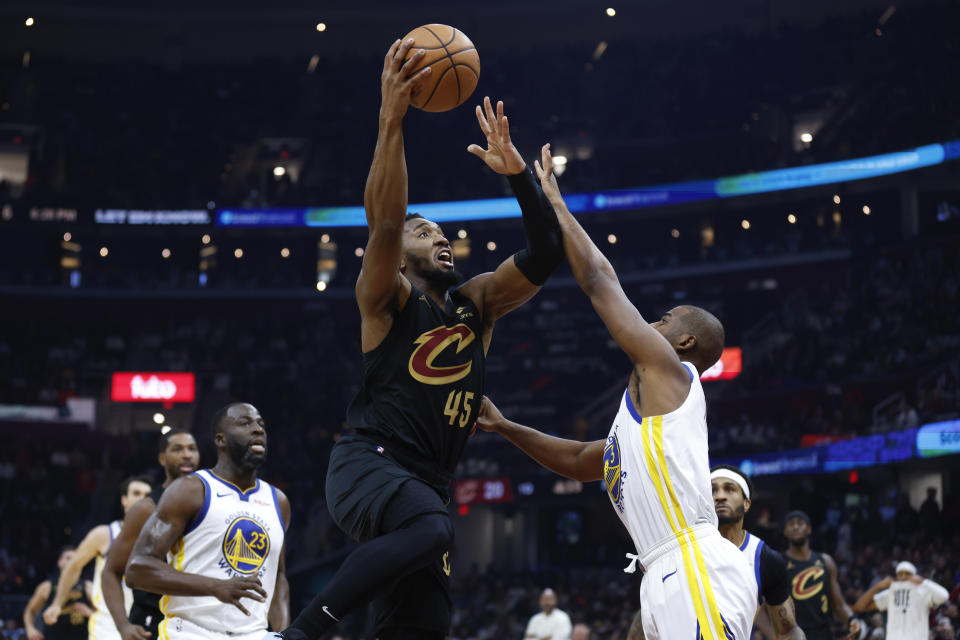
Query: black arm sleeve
[[544, 240], [774, 582]]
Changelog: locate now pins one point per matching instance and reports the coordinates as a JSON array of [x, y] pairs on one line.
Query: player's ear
[[686, 342], [746, 505]]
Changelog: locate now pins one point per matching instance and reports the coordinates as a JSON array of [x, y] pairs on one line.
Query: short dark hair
[[216, 423], [125, 485], [709, 333], [164, 441], [736, 470], [412, 216]]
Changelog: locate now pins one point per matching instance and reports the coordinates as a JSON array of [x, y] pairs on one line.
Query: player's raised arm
[[581, 461], [95, 542], [642, 343], [519, 277], [148, 568], [385, 194]]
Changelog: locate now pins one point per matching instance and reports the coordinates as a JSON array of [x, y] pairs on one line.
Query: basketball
[[456, 67]]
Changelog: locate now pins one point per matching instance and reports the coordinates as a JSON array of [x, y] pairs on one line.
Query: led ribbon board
[[618, 200]]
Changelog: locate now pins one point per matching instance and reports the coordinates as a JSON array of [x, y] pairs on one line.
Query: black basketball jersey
[[811, 595], [72, 624], [147, 604], [423, 385]]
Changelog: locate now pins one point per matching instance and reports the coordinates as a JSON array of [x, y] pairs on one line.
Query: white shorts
[[180, 629], [100, 627], [679, 601]]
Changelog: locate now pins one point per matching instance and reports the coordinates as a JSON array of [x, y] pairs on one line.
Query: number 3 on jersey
[[453, 408]]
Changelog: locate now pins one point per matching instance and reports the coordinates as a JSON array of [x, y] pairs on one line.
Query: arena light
[[165, 253], [104, 252], [29, 22], [491, 246], [159, 418], [560, 160], [205, 238], [358, 252], [67, 237], [325, 238], [675, 233], [611, 11], [462, 233], [792, 219], [165, 429], [238, 253], [836, 199], [836, 217], [745, 224], [612, 239], [321, 285], [285, 253], [866, 210], [279, 171], [807, 137], [321, 26]]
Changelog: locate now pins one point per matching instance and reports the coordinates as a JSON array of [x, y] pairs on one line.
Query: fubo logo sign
[[146, 386]]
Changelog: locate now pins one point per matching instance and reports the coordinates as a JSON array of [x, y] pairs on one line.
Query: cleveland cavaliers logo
[[612, 478], [432, 343], [801, 587], [245, 546]]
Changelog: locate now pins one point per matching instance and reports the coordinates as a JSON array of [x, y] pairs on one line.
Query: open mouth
[[445, 258], [187, 468], [258, 447]]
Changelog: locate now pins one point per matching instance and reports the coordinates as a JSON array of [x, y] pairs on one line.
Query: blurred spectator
[[551, 623]]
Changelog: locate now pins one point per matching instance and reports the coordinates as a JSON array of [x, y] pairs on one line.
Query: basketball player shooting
[[424, 343], [654, 462]]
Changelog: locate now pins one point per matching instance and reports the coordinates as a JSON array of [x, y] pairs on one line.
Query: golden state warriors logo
[[432, 344], [612, 477], [802, 587], [245, 546]]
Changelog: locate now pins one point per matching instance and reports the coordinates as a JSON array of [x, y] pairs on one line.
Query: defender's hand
[[134, 632], [34, 634], [500, 154], [544, 169], [233, 590], [489, 418], [51, 613], [854, 630], [396, 82]]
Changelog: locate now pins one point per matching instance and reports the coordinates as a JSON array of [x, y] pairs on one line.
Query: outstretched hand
[[544, 169], [500, 154], [489, 418], [397, 83]]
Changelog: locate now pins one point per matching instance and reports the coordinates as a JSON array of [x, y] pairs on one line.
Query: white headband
[[906, 566], [732, 475]]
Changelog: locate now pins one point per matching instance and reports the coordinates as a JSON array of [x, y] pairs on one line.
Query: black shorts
[[362, 480], [147, 617]]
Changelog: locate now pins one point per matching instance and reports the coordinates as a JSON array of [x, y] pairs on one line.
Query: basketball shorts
[[699, 589], [180, 629], [362, 482], [100, 626]]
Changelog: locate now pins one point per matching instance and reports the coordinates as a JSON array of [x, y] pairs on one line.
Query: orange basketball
[[456, 67]]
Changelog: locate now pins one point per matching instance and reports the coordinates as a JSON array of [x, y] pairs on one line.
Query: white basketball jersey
[[908, 608], [237, 533], [100, 626], [751, 547], [657, 472]]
